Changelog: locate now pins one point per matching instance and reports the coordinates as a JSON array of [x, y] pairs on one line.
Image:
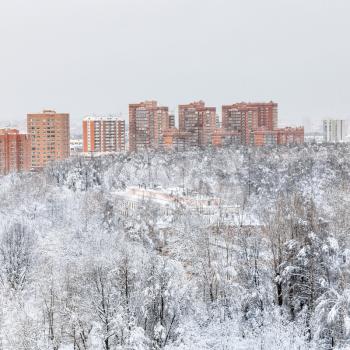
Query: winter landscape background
[[249, 250]]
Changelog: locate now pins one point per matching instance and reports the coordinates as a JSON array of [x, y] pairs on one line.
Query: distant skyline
[[95, 57]]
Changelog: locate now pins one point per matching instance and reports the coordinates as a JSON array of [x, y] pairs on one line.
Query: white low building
[[211, 209], [76, 146]]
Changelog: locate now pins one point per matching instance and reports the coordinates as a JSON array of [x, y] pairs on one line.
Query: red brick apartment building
[[290, 135], [256, 124], [243, 123], [103, 134], [246, 118], [15, 151], [173, 139], [282, 136], [199, 121], [50, 134], [147, 121], [222, 137]]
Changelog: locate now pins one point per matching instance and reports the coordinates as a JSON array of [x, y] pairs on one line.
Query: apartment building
[[171, 121], [50, 135], [222, 137], [147, 122], [251, 124], [288, 135], [103, 134], [198, 120], [15, 151], [334, 130], [264, 137], [246, 118], [176, 140]]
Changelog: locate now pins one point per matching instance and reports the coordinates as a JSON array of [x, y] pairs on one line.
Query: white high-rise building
[[334, 130]]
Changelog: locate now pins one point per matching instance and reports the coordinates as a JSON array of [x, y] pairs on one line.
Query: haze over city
[[85, 57]]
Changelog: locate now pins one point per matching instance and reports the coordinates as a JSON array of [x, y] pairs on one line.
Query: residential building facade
[[251, 124], [198, 120], [334, 130], [15, 151], [50, 135], [246, 118], [288, 135], [103, 134], [174, 139], [147, 122]]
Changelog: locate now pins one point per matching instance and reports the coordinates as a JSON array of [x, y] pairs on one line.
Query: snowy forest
[[84, 268]]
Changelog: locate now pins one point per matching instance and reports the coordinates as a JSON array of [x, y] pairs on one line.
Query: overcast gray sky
[[96, 56]]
